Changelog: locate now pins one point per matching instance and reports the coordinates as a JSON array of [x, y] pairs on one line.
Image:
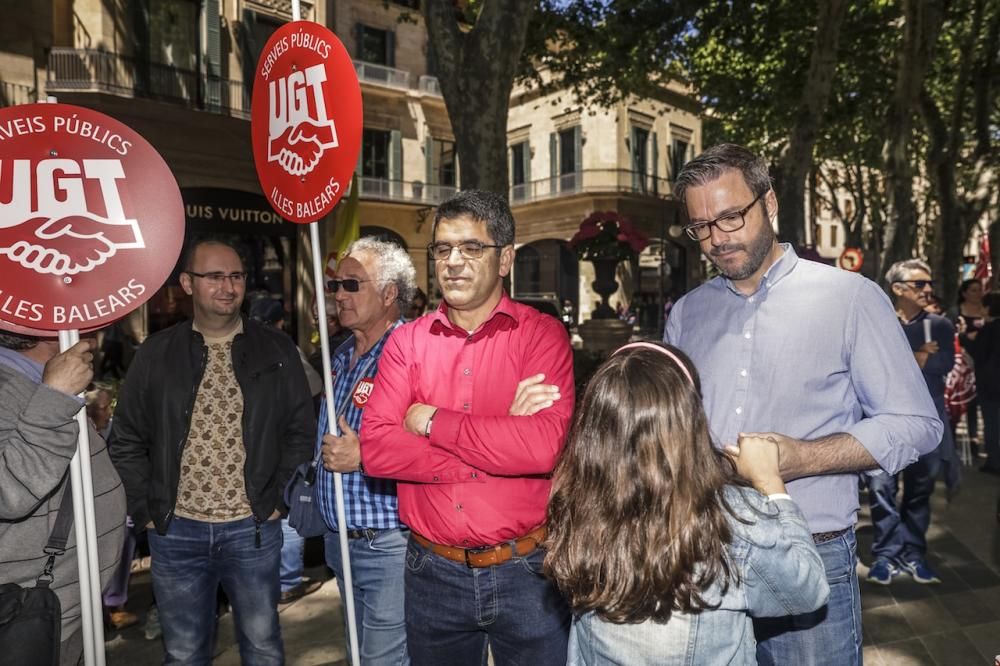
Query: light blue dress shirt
[[815, 351]]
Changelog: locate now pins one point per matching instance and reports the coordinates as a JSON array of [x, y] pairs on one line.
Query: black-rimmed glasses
[[216, 279], [469, 249], [351, 285], [727, 223]]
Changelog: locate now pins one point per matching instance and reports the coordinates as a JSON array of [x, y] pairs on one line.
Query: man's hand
[[533, 396], [341, 454], [72, 370], [789, 448], [931, 347], [417, 417], [757, 461]]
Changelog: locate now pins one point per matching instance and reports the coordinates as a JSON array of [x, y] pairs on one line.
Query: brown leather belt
[[477, 558], [823, 537]]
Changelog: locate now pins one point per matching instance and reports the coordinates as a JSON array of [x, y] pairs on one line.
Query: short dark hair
[[481, 206], [187, 257], [717, 160]]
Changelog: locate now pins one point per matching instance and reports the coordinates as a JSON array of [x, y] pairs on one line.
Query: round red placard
[[305, 121], [91, 219]]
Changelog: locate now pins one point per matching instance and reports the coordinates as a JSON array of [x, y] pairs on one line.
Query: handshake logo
[[62, 235], [299, 131]]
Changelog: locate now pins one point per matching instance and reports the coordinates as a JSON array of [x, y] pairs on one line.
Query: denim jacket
[[780, 573]]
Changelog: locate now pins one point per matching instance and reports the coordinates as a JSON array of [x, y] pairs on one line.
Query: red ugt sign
[[305, 121], [91, 219]]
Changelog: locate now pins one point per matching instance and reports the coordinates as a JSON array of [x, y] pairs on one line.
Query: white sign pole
[[85, 529], [332, 427]]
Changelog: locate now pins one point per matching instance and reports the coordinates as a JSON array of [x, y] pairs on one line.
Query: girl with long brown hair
[[664, 546]]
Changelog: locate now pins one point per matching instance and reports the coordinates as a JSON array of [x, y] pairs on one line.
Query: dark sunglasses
[[919, 285], [351, 285]]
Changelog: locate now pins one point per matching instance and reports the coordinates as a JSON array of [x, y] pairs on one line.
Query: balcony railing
[[590, 181], [15, 93], [382, 75], [86, 70], [404, 190], [429, 85]]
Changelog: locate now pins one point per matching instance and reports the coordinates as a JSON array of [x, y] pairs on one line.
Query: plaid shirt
[[368, 502]]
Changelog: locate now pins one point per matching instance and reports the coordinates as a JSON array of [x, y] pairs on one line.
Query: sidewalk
[[956, 623]]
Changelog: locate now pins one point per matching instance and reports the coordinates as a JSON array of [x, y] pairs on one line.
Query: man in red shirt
[[470, 408]]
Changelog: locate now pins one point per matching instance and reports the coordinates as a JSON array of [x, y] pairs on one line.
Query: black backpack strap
[[60, 533]]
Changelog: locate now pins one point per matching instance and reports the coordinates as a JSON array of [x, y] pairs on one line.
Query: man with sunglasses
[[899, 542], [470, 408], [214, 416], [373, 282], [806, 355]]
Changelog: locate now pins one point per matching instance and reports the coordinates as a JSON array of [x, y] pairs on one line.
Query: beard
[[756, 250]]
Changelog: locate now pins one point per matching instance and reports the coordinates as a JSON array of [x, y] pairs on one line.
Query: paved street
[[956, 623]]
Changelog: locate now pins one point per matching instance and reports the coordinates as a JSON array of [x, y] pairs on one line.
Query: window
[[640, 158], [376, 46], [848, 209], [678, 156], [173, 33], [255, 32], [375, 149], [834, 228], [520, 170], [565, 159], [567, 151], [444, 159]]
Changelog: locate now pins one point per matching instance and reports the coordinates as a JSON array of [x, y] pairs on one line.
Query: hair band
[[662, 350]]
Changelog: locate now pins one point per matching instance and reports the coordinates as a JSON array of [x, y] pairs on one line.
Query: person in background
[[336, 333], [38, 438], [294, 585], [969, 317], [985, 350], [900, 530], [417, 306], [664, 546], [99, 398]]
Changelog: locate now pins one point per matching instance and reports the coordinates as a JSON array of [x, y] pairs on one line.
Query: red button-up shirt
[[483, 476]]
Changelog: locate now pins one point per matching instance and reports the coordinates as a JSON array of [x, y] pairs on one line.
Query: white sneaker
[[152, 626]]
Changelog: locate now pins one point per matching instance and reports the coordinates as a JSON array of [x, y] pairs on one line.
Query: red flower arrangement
[[607, 235]]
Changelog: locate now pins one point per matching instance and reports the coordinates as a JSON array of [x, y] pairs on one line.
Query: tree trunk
[[922, 24], [797, 157], [476, 70]]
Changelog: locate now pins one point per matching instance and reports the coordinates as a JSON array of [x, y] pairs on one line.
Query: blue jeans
[[377, 565], [292, 549], [830, 635], [188, 564], [901, 532], [454, 613]]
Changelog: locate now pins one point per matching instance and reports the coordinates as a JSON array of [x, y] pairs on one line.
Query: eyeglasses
[[919, 285], [727, 223], [216, 279], [470, 249], [349, 284]]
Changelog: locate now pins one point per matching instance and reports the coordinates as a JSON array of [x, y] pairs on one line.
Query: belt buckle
[[475, 551]]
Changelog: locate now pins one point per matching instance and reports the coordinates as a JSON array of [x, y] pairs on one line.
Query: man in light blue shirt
[[805, 354]]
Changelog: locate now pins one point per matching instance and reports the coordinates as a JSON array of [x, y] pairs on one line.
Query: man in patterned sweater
[[214, 415]]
